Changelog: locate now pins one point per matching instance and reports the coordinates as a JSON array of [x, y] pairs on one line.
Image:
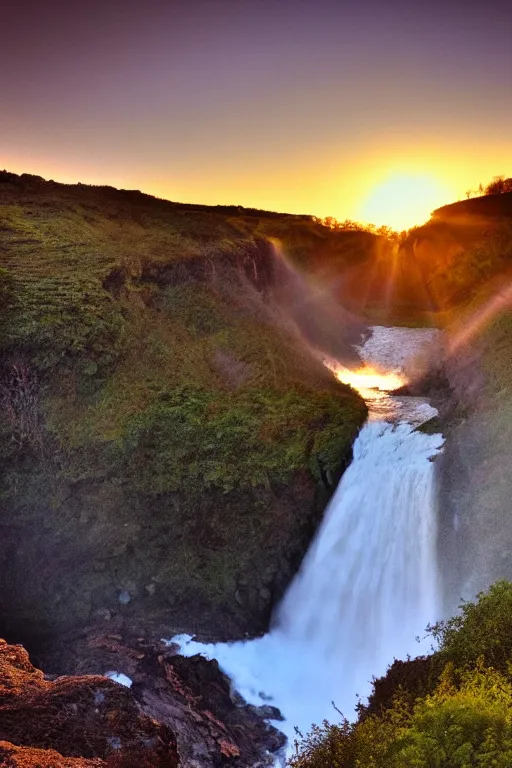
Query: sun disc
[[403, 200]]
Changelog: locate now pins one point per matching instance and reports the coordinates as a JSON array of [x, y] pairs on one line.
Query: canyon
[[171, 436]]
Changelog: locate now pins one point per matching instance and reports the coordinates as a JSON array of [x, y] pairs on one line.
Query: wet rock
[[265, 594], [267, 712], [102, 614], [212, 723], [225, 727], [239, 598], [81, 717]]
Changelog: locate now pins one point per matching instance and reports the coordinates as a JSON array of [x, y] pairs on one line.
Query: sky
[[371, 110]]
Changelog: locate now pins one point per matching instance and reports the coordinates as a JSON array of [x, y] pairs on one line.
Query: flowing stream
[[367, 587]]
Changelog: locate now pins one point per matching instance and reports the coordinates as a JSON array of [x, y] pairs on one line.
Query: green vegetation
[[461, 719], [251, 439], [163, 421]]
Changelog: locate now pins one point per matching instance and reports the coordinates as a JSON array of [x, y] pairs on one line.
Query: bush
[[7, 296], [499, 186], [466, 720], [482, 629]]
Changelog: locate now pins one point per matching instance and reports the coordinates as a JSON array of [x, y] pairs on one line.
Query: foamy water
[[368, 584]]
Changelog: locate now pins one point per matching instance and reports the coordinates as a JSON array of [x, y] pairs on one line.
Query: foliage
[[19, 401], [465, 721], [498, 186], [6, 288], [459, 725], [383, 231], [481, 629], [326, 746], [7, 297], [253, 438]]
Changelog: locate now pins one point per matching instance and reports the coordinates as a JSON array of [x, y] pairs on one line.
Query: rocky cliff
[[179, 712]]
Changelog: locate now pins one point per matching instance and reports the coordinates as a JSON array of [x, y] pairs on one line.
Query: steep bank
[[168, 442], [458, 251], [475, 484], [463, 259], [465, 256]]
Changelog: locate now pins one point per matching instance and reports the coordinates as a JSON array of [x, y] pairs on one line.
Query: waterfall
[[368, 585]]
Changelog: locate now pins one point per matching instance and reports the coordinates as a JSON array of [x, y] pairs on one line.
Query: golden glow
[[403, 200], [366, 378], [396, 185]]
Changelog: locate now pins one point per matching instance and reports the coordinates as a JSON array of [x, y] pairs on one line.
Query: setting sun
[[403, 200]]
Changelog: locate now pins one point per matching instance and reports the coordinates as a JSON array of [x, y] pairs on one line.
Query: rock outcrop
[[178, 712], [74, 721]]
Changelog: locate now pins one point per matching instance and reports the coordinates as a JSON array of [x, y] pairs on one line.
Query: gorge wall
[[167, 441], [475, 484], [465, 255]]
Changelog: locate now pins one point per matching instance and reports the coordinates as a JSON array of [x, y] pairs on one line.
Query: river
[[368, 585]]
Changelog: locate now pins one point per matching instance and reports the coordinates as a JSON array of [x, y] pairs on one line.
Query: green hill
[[168, 441]]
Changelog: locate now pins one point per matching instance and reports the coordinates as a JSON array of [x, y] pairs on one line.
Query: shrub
[[482, 629], [464, 722]]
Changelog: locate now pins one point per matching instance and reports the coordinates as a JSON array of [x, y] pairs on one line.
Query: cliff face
[[75, 722], [474, 471], [465, 256], [167, 441], [179, 712]]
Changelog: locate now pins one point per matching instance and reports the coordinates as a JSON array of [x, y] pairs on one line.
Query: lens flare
[[499, 302]]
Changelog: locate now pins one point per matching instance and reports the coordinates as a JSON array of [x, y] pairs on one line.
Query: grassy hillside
[[167, 442]]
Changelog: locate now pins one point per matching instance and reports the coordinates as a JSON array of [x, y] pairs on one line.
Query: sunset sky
[[376, 111]]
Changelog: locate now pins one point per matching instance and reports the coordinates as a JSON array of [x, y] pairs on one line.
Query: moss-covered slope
[[167, 442]]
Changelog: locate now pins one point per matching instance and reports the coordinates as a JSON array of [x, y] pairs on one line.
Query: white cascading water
[[368, 585]]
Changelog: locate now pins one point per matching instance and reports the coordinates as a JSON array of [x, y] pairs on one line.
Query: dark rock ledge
[[178, 712]]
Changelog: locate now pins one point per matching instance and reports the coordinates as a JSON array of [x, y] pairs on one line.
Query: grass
[[185, 433]]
